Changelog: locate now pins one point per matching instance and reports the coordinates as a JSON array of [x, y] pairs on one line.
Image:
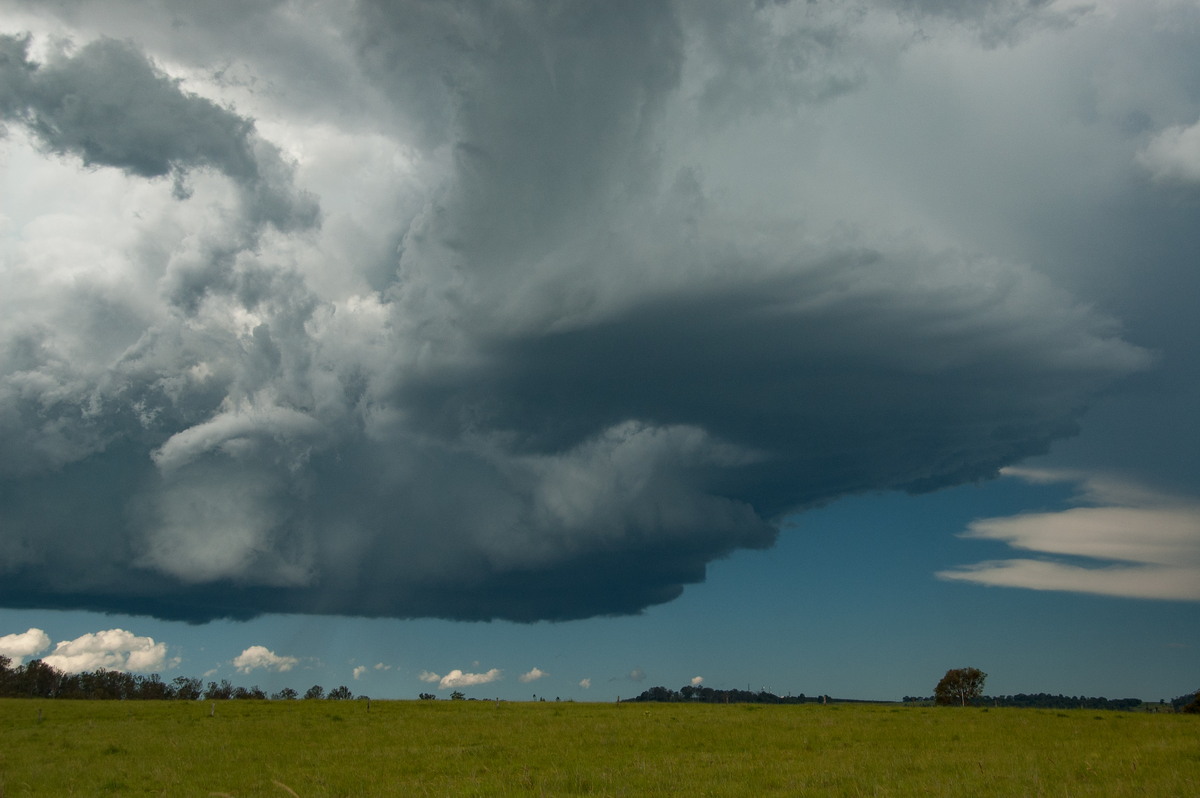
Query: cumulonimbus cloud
[[543, 352], [1125, 541]]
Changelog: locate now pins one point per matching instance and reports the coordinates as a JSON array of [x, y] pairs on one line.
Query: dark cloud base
[[621, 583]]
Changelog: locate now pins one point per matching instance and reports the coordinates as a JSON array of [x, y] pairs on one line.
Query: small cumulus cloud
[[26, 644], [637, 675], [1125, 541], [532, 676], [113, 649], [359, 671], [585, 683], [379, 666], [262, 657], [697, 680], [457, 678]]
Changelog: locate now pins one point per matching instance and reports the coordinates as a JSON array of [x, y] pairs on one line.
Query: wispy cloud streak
[[1134, 543]]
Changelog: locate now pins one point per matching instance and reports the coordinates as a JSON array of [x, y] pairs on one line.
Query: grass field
[[460, 748]]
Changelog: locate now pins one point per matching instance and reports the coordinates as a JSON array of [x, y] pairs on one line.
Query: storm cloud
[[517, 310]]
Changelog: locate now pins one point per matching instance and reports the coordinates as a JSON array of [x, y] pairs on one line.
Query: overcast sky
[[821, 346]]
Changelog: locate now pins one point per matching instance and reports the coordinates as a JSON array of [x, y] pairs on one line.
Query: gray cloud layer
[[607, 350]]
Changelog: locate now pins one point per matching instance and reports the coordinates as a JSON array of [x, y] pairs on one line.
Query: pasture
[[466, 748]]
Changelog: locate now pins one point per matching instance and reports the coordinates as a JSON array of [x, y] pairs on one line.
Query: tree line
[[1185, 703], [36, 679], [1039, 700], [708, 695]]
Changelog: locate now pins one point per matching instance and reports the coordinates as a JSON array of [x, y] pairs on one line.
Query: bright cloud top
[[113, 649], [457, 678], [1133, 543], [25, 644], [531, 676], [262, 657]]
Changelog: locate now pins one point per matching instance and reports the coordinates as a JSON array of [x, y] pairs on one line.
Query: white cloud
[[637, 675], [585, 683], [379, 666], [359, 671], [696, 680], [1136, 543], [26, 644], [113, 649], [532, 676], [456, 678], [262, 657]]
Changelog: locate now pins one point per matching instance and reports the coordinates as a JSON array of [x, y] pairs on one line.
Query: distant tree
[[286, 694], [152, 688], [38, 680], [184, 688], [1183, 702], [457, 696], [1193, 708], [427, 697], [340, 693], [218, 692], [6, 674], [959, 686], [316, 691]]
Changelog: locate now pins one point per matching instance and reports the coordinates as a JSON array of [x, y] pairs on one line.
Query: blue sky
[[573, 349]]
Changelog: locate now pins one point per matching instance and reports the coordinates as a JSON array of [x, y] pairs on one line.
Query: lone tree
[[959, 686]]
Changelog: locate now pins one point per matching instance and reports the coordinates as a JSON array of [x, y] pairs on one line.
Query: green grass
[[463, 748]]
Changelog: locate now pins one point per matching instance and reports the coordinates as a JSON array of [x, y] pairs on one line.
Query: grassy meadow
[[462, 748]]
